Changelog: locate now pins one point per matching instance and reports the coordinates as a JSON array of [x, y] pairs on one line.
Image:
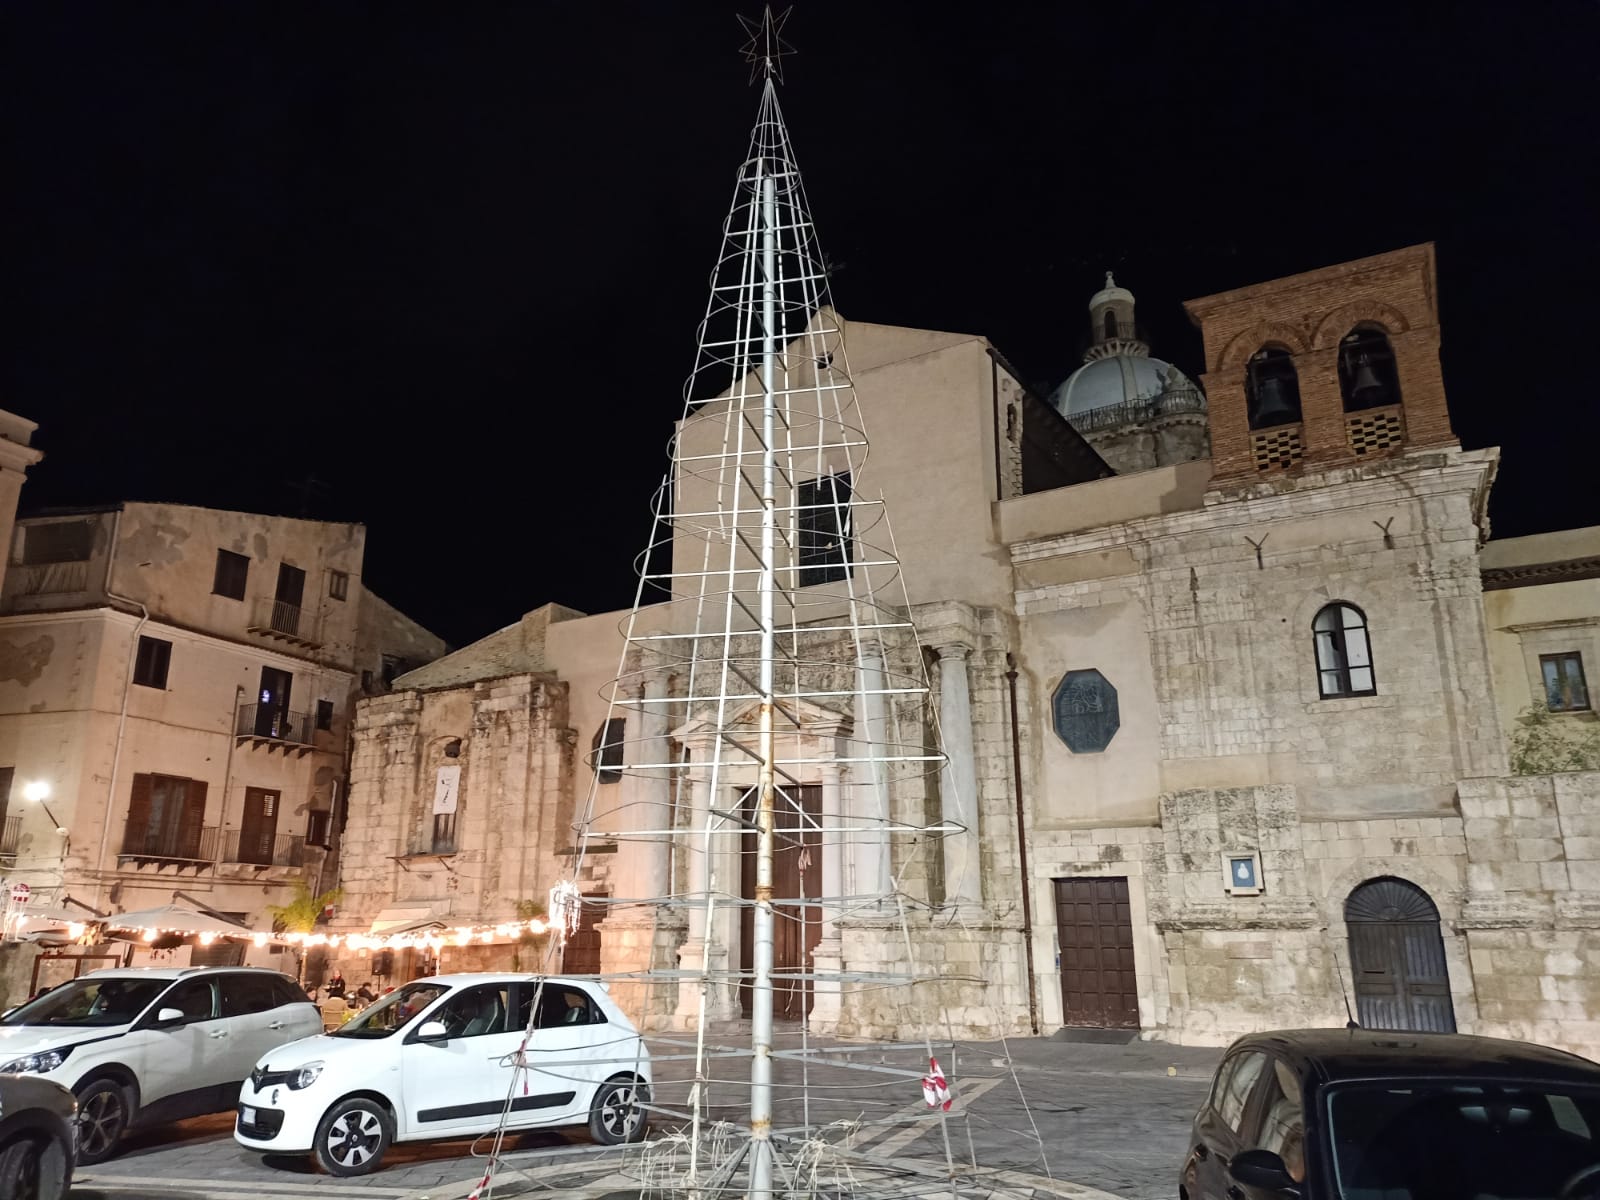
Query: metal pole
[[761, 981]]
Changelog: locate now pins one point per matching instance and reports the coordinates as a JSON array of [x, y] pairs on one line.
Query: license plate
[[247, 1116]]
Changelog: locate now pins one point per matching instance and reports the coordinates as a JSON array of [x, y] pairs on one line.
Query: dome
[[1116, 380]]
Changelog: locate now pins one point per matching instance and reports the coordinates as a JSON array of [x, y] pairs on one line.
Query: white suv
[[153, 1045], [437, 1059]]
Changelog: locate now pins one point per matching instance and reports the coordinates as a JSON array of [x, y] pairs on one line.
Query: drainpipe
[[1022, 850], [122, 718], [227, 776]]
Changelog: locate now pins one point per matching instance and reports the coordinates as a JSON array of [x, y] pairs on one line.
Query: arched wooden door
[[1397, 958]]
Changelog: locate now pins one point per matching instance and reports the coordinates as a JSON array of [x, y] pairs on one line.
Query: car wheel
[[103, 1115], [353, 1137], [618, 1113], [33, 1169]]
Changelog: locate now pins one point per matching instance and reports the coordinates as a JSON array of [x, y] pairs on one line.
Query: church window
[[1272, 388], [607, 747], [1565, 689], [1344, 654], [1111, 324], [822, 551], [1367, 374]]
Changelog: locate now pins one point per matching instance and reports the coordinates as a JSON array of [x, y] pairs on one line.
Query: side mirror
[[433, 1031], [169, 1016], [1264, 1170]]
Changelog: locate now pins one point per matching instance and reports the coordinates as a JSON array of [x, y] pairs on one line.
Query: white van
[[436, 1059], [152, 1045]]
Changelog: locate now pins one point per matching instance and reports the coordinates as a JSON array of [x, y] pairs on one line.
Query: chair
[[334, 1010]]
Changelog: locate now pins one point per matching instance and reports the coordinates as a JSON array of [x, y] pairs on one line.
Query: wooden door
[[260, 826], [581, 955], [1094, 932], [796, 875], [1397, 964]]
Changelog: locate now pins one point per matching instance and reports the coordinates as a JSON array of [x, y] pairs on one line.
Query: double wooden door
[[1397, 958], [796, 875], [1094, 931]]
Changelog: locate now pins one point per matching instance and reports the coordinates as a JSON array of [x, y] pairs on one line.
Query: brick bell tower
[[1329, 368]]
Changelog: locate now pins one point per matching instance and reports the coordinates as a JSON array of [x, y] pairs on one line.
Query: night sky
[[449, 259]]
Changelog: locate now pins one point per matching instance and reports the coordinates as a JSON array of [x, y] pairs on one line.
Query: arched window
[[1111, 323], [1367, 374], [1344, 655], [1272, 388]]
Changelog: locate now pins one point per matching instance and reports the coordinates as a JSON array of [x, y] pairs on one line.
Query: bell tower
[[1332, 367]]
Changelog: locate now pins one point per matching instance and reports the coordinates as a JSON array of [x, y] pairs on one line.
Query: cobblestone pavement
[[1108, 1118]]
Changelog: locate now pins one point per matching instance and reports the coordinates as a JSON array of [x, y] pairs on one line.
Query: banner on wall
[[446, 787]]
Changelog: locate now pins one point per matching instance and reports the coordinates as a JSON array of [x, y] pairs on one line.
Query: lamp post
[[36, 792]]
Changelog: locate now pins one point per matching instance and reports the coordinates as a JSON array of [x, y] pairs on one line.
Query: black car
[[38, 1129], [1360, 1114]]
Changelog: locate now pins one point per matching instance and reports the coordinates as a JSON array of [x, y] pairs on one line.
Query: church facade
[[1224, 703]]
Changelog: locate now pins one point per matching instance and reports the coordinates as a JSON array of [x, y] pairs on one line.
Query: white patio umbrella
[[174, 918]]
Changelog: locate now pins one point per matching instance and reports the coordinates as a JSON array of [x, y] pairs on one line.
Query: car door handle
[[275, 1025], [219, 1033]]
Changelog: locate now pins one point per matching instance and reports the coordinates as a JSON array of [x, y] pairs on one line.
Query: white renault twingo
[[437, 1058]]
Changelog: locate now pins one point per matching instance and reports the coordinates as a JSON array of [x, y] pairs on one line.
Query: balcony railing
[[271, 723], [10, 837], [48, 579], [1141, 411], [144, 842], [281, 850], [283, 621]]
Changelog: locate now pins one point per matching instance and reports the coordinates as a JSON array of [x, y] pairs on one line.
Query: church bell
[[1274, 403], [1365, 386]]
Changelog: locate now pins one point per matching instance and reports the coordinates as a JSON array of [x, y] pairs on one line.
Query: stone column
[[871, 872], [707, 943], [958, 781], [827, 959], [693, 955], [654, 797]]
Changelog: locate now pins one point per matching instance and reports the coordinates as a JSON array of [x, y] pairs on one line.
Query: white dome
[[1117, 379]]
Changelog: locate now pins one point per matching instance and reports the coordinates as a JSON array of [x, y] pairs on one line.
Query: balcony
[[49, 579], [283, 622], [282, 850], [10, 838], [144, 844], [276, 728]]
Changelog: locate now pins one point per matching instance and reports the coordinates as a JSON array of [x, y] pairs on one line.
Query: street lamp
[[36, 792]]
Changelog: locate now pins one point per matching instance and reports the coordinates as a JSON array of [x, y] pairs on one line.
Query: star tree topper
[[766, 47]]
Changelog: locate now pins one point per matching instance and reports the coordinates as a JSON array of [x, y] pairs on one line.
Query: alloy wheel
[[354, 1137], [620, 1114], [100, 1121], [28, 1175]]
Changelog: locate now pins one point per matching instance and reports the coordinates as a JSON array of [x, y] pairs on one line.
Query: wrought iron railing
[[278, 724], [11, 836], [265, 850], [145, 841], [278, 618], [1136, 412]]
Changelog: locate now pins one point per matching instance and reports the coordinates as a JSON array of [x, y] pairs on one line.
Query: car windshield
[[392, 1012], [1465, 1139], [89, 1002]]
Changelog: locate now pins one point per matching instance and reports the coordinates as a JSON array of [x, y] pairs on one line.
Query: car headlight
[[36, 1064], [305, 1076]]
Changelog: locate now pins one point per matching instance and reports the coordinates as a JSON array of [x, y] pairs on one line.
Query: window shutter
[[194, 819], [136, 837]]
